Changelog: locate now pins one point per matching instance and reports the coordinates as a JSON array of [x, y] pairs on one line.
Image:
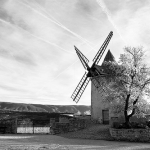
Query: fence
[[33, 130], [53, 128], [50, 126]]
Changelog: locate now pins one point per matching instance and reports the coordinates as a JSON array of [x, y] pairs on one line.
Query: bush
[[133, 125], [122, 126], [136, 125], [148, 123]]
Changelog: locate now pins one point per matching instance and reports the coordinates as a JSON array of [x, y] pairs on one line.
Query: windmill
[[90, 71]]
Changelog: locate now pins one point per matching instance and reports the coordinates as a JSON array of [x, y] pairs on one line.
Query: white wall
[[33, 130], [96, 104]]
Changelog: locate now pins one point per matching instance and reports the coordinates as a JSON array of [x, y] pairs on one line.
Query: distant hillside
[[77, 109]]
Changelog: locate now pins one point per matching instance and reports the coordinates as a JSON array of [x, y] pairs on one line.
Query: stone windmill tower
[[99, 110], [91, 74]]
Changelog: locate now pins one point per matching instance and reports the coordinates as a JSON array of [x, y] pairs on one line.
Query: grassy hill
[[77, 109]]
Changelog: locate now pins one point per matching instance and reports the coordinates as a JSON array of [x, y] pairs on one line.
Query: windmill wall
[[99, 110], [96, 104]]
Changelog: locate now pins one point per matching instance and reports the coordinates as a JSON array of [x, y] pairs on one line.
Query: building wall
[[97, 106]]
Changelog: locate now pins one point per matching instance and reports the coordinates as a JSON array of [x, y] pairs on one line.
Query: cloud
[[8, 88], [133, 22], [25, 59], [37, 41], [86, 7]]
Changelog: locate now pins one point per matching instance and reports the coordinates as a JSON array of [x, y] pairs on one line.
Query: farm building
[[39, 122]]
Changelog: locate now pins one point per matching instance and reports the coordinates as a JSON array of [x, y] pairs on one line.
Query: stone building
[[99, 110]]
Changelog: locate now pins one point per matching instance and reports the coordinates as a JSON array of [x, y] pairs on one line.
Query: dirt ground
[[47, 142], [88, 139]]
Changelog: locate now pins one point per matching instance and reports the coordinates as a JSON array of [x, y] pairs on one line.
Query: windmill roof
[[109, 57]]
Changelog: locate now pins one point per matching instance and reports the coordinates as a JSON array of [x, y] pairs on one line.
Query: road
[[45, 142]]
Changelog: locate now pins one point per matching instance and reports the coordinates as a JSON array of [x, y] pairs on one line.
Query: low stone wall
[[73, 125], [130, 134]]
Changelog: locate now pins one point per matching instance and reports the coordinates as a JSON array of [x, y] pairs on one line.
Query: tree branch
[[136, 100], [146, 83], [133, 111]]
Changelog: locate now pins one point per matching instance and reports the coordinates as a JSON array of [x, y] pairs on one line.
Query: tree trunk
[[127, 117], [127, 121], [126, 111]]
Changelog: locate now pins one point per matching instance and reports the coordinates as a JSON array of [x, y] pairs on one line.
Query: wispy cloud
[[38, 63]]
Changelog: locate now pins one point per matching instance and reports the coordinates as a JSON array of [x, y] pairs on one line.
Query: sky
[[38, 63]]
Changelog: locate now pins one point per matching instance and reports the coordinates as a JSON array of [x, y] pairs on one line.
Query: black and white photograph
[[74, 75]]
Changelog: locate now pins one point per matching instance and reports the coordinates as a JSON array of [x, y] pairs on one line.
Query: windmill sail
[[95, 82], [82, 58], [80, 88], [92, 71], [100, 83], [102, 49]]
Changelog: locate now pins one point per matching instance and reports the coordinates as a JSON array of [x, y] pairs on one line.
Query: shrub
[[133, 125], [148, 123]]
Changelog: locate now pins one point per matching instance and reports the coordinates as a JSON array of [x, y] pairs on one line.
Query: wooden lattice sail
[[91, 71]]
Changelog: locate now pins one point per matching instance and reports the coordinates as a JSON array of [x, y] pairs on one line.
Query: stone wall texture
[[130, 134], [96, 104]]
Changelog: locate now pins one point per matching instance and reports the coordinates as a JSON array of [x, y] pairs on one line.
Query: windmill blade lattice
[[95, 82], [92, 71], [80, 88], [101, 83], [102, 49], [82, 58]]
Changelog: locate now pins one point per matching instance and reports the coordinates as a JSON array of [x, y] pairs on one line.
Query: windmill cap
[[109, 57]]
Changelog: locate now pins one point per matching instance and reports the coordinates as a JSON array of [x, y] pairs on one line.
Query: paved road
[[22, 142]]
